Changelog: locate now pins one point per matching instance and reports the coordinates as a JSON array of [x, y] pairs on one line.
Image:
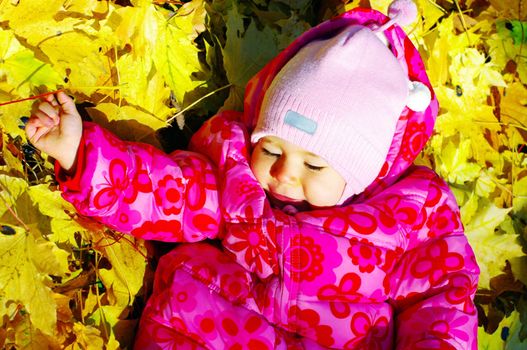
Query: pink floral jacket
[[389, 269]]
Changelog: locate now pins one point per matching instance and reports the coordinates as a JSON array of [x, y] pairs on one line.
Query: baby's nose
[[285, 171]]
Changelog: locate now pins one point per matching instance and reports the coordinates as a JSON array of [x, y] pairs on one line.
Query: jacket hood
[[413, 128]]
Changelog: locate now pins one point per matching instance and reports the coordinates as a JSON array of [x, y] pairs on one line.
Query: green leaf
[[245, 53]]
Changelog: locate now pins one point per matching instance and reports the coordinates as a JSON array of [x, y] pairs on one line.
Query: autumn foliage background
[[153, 71]]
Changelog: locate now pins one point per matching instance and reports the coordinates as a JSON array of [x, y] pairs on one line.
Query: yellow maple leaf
[[135, 26], [86, 338], [128, 122], [125, 279], [472, 76], [139, 75], [22, 280], [510, 8], [176, 55], [21, 70], [519, 191], [444, 45], [514, 104], [11, 188], [491, 249], [114, 315], [454, 162]]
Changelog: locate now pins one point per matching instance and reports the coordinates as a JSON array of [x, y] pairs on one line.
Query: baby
[[330, 237]]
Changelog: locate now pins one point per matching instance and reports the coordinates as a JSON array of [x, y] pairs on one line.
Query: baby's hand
[[56, 129]]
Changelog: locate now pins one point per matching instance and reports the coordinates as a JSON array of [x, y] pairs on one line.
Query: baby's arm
[[131, 187], [56, 129]]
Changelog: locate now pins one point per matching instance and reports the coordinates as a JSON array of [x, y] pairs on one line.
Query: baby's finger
[[50, 111], [35, 129], [39, 132], [52, 100], [66, 103], [31, 127], [45, 119]]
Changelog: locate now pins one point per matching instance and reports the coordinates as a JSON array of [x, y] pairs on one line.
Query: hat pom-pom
[[403, 11], [419, 96]]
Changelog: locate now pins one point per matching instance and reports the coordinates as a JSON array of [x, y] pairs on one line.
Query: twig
[[31, 97], [196, 102]]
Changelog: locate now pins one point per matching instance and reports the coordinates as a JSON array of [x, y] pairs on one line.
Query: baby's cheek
[[324, 193]]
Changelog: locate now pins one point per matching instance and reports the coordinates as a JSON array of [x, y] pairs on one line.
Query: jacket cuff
[[72, 181]]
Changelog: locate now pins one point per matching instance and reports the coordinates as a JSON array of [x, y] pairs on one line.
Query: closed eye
[[314, 167], [269, 153]]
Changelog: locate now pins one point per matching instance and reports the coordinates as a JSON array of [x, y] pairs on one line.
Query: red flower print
[[141, 180], [200, 178], [444, 325], [435, 193], [182, 299], [117, 186], [370, 334], [308, 325], [175, 335], [442, 221], [206, 325], [168, 194], [414, 139], [402, 210], [364, 255], [361, 221], [207, 272], [247, 187], [159, 230], [342, 220], [126, 218], [437, 263], [249, 332], [337, 222], [221, 127], [449, 328], [461, 291], [391, 257], [340, 296], [306, 258], [234, 284], [249, 242]]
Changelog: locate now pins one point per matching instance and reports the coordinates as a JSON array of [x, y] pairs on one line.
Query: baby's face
[[291, 174]]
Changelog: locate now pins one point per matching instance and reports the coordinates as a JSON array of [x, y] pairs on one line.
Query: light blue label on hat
[[300, 122]]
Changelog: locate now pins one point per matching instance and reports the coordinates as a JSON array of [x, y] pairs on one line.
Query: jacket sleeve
[[433, 283], [136, 188]]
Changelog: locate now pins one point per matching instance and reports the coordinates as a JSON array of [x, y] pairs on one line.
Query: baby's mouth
[[283, 202], [285, 199]]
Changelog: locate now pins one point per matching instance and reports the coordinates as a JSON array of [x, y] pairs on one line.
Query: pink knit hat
[[339, 98]]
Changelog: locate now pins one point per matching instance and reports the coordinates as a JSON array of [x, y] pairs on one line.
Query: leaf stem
[[196, 102]]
